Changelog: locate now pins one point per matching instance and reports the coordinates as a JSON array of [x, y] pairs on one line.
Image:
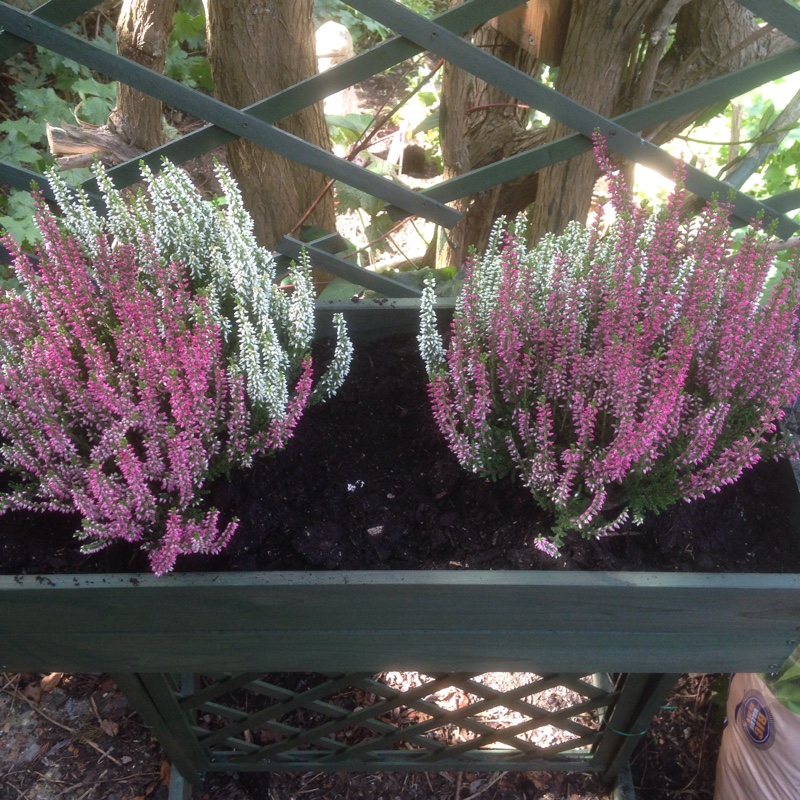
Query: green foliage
[[54, 89], [348, 129], [186, 57], [352, 199], [364, 30], [17, 218]]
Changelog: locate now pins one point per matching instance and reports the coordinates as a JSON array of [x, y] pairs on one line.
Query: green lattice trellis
[[356, 721]]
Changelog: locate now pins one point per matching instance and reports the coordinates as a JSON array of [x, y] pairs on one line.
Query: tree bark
[[256, 49], [611, 33], [143, 31], [482, 124]]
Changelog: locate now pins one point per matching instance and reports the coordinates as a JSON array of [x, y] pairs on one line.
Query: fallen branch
[[79, 146]]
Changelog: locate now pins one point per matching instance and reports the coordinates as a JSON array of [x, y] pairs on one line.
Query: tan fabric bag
[[760, 754]]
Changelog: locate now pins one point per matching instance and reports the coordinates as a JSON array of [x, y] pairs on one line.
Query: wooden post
[[538, 26]]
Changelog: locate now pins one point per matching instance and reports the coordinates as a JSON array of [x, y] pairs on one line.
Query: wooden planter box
[[145, 629], [372, 621]]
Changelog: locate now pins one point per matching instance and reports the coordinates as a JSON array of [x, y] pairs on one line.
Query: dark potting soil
[[367, 482]]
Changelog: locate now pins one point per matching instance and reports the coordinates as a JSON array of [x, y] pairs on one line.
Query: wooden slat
[[426, 650], [540, 27], [412, 761], [376, 318], [246, 126], [550, 621], [312, 90], [59, 12], [701, 96], [293, 248], [528, 90], [779, 13]]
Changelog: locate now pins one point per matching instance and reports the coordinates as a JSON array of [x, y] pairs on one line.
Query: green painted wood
[[786, 201], [312, 90], [709, 93], [408, 761], [140, 699], [348, 621], [378, 650], [59, 12], [377, 318], [293, 248], [246, 126], [177, 723], [22, 178], [640, 698], [528, 90], [779, 13]]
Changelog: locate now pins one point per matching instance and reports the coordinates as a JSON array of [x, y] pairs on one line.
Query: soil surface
[[368, 483]]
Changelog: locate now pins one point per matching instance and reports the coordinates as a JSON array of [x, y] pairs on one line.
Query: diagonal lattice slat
[[528, 90], [249, 721]]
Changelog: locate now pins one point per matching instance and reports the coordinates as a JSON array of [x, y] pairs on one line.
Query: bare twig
[[488, 785]]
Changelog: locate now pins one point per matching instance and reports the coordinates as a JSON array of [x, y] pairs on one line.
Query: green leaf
[[94, 110], [340, 289], [357, 123], [44, 103], [350, 199], [19, 152], [378, 227], [430, 122], [189, 30], [87, 87], [24, 129], [767, 117], [19, 220]]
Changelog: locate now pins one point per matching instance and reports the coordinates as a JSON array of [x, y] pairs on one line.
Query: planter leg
[[624, 789], [179, 788], [641, 695], [151, 698]]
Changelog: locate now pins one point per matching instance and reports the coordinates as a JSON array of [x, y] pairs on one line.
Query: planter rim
[[462, 577]]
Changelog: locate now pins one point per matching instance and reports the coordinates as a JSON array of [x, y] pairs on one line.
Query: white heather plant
[[267, 331], [617, 373]]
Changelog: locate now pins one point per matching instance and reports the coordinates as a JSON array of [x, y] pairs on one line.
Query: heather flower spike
[[146, 353], [267, 332], [114, 397], [617, 372]]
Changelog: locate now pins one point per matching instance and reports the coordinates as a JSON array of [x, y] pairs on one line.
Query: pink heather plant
[[620, 371], [115, 400]]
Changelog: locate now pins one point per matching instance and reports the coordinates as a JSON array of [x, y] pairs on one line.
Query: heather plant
[[267, 331], [615, 372], [115, 400], [145, 353]]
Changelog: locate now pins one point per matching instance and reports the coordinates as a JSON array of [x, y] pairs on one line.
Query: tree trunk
[[611, 33], [480, 125], [143, 31], [256, 49]]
